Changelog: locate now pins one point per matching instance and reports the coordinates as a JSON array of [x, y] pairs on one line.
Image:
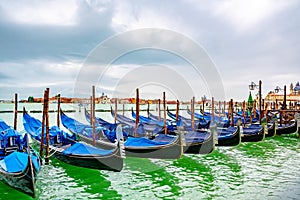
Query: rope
[[55, 150], [36, 153]]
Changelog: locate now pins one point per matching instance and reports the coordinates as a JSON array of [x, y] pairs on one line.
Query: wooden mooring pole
[[212, 109], [159, 115], [43, 126], [219, 115], [91, 109], [148, 108], [47, 125], [116, 111], [58, 110], [230, 110], [193, 113], [93, 115], [137, 110], [165, 113], [16, 111], [177, 111]]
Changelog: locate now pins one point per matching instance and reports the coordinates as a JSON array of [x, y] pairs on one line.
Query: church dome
[[297, 87]]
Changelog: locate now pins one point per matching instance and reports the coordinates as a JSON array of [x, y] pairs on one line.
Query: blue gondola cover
[[80, 148], [17, 162]]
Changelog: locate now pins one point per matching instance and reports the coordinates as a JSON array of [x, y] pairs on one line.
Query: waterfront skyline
[[44, 44]]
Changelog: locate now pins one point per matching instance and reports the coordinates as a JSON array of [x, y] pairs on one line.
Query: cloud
[[144, 14], [32, 77], [247, 15], [38, 37], [49, 40], [58, 13]]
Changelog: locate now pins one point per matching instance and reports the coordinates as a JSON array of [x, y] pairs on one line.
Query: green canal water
[[262, 170]]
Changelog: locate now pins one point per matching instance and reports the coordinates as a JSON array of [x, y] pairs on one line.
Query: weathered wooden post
[[231, 112], [116, 110], [137, 108], [177, 111], [219, 119], [16, 111], [244, 112], [284, 107], [193, 113], [93, 115], [43, 126], [123, 109], [159, 115], [212, 109], [224, 108], [47, 126], [266, 111], [148, 108], [91, 109], [260, 96], [165, 113], [58, 110]]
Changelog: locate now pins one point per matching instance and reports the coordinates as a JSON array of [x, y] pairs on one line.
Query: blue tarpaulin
[[164, 138], [34, 128], [194, 136], [17, 162], [142, 142], [226, 133], [80, 148], [6, 131]]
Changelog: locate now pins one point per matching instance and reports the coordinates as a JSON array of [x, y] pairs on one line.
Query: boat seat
[[8, 150]]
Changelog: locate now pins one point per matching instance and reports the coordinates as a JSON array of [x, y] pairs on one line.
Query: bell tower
[[291, 88]]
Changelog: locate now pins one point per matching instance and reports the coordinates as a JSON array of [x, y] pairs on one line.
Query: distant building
[[292, 97], [296, 89], [103, 99]]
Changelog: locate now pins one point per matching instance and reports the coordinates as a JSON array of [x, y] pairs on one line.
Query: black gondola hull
[[259, 136], [23, 181], [233, 141], [111, 162], [287, 129], [173, 150], [205, 147]]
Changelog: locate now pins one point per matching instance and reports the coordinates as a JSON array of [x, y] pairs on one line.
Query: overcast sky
[[47, 44]]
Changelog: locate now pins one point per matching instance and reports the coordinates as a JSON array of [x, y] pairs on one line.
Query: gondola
[[66, 148], [144, 128], [206, 116], [127, 130], [230, 136], [160, 146], [221, 121], [198, 141], [171, 125], [199, 123], [252, 133], [19, 163], [288, 128], [226, 136]]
